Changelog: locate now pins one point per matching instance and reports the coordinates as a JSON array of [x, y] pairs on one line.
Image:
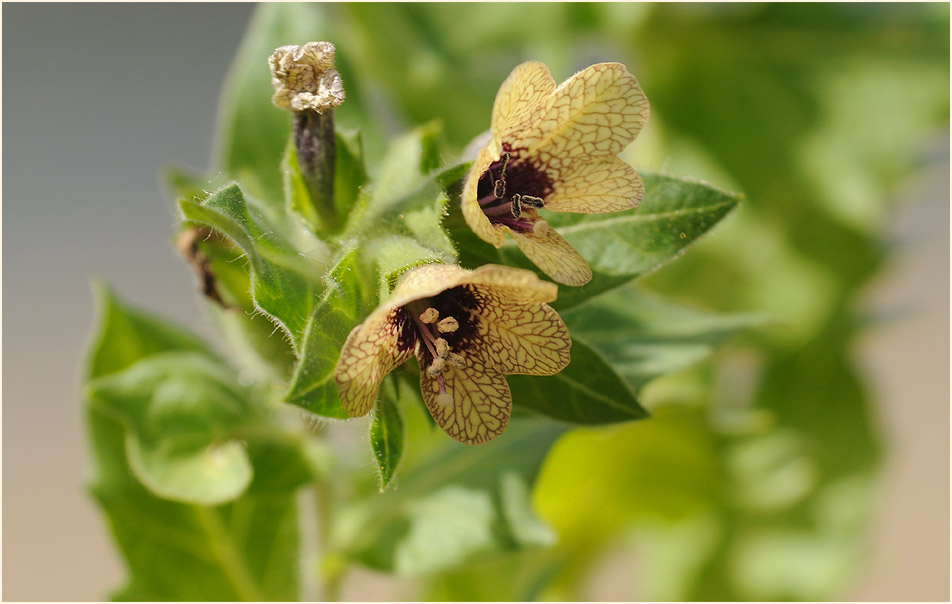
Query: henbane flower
[[467, 329], [555, 148]]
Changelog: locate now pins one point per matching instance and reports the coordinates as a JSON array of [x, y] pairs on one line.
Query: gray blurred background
[[98, 98]]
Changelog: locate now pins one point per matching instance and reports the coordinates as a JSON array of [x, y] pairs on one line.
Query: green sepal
[[386, 432], [284, 257], [341, 307]]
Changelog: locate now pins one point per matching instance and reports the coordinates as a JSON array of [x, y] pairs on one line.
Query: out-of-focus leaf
[[386, 433], [643, 336], [253, 132], [181, 410], [284, 276], [519, 575], [125, 335], [337, 312], [596, 481], [587, 391], [245, 550], [459, 503]]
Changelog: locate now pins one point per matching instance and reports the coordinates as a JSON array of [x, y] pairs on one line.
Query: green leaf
[[343, 303], [459, 503], [252, 131], [350, 173], [620, 246], [125, 335], [386, 433], [181, 409], [404, 174], [245, 550], [396, 254], [296, 195], [674, 213], [587, 391], [204, 473], [665, 468], [659, 336], [259, 352], [284, 258]]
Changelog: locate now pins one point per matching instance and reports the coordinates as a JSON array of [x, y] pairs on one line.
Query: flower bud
[[306, 83]]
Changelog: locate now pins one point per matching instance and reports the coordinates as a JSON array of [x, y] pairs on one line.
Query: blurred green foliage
[[758, 489], [754, 476]]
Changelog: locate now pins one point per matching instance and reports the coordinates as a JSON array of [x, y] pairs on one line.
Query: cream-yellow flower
[[467, 329], [555, 148]]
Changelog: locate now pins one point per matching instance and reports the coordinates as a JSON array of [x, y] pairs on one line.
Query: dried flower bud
[[304, 78]]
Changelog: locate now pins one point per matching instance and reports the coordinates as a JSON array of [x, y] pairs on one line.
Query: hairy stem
[[316, 148]]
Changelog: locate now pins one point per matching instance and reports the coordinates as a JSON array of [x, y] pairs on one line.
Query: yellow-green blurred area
[[758, 475]]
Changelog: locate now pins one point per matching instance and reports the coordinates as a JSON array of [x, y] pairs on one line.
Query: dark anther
[[532, 201], [516, 205], [499, 186]]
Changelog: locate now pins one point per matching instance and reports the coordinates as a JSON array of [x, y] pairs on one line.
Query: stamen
[[424, 332], [489, 200], [516, 224], [532, 201], [448, 325], [442, 347], [503, 209], [499, 186], [436, 368], [454, 360], [430, 315], [505, 162], [540, 227], [443, 398], [516, 208]]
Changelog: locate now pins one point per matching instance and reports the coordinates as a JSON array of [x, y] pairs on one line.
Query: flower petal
[[424, 282], [596, 112], [520, 98], [595, 187], [478, 404], [516, 337], [553, 255], [472, 212], [370, 353], [513, 283]]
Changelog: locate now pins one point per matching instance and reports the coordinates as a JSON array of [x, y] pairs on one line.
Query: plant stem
[[315, 143], [331, 566]]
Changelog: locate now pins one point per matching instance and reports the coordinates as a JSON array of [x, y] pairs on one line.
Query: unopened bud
[[306, 83], [304, 78]]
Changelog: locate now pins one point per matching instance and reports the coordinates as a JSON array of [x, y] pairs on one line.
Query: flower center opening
[[510, 191], [444, 326]]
